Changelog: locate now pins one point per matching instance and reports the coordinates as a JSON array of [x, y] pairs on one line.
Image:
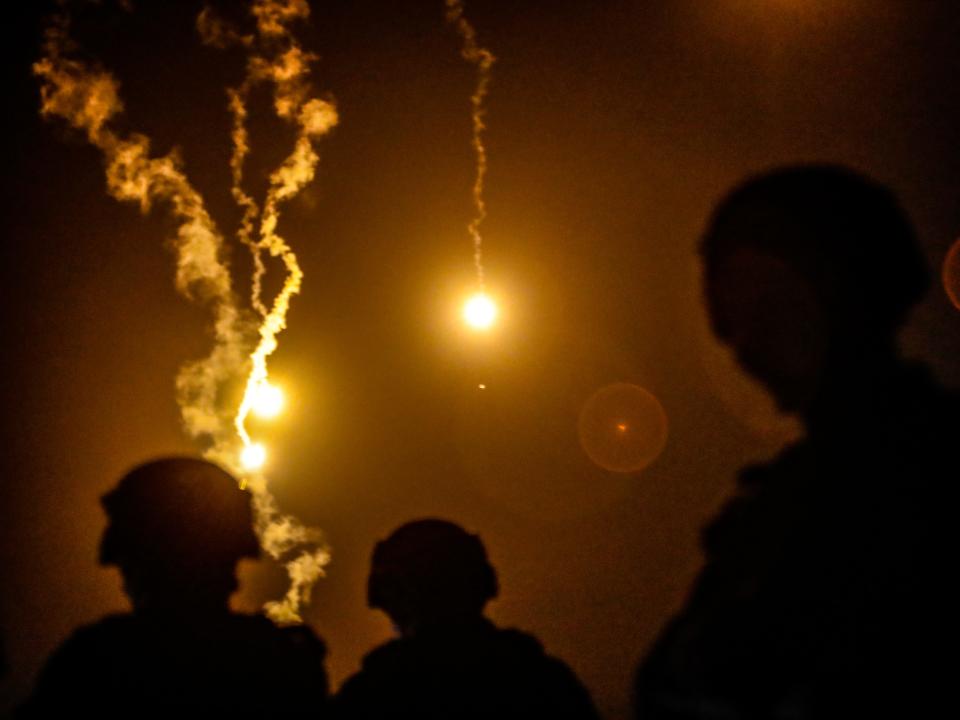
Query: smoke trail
[[287, 70], [275, 58], [88, 98], [278, 59], [251, 211], [483, 59]]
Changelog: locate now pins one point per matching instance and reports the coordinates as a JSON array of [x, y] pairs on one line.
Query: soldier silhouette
[[433, 580], [177, 528], [824, 592]]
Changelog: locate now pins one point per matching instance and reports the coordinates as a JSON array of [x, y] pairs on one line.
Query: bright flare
[[88, 99], [253, 456], [267, 401], [480, 311]]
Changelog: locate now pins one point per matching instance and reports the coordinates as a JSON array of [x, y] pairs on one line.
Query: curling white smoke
[[473, 53], [87, 98]]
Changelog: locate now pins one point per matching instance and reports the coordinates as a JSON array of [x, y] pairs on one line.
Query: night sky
[[613, 128]]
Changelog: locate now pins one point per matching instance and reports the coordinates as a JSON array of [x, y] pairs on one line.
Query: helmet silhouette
[[430, 570], [845, 234], [177, 511]]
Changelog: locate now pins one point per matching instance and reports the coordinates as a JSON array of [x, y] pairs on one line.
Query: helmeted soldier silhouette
[[177, 528], [825, 591], [433, 580]]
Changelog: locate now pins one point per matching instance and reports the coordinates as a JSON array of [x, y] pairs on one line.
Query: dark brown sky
[[613, 128]]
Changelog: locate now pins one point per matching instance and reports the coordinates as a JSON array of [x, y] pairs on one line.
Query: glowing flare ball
[[480, 311], [253, 456], [268, 401]]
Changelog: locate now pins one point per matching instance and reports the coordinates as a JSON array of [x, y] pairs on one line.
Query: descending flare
[[480, 311], [275, 58], [87, 97], [253, 456], [268, 401]]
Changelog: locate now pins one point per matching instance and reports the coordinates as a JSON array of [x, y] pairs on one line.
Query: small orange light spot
[[482, 386]]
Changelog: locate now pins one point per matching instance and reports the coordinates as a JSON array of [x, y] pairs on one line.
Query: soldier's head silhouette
[[177, 527], [434, 579], [810, 271], [430, 573]]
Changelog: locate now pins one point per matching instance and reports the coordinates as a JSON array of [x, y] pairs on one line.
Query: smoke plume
[[87, 97], [473, 53]]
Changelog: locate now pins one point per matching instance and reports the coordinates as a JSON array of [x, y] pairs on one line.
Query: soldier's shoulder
[[299, 638], [101, 635], [391, 653], [520, 642]]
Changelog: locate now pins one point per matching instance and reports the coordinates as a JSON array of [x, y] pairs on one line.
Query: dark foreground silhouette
[[433, 579], [825, 591], [177, 528]]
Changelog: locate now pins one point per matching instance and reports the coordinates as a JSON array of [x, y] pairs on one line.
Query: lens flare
[[950, 274], [623, 428], [480, 311], [268, 401], [253, 456]]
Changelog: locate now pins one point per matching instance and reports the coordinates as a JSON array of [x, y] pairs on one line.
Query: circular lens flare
[[268, 400], [623, 428], [480, 311], [253, 456], [950, 274]]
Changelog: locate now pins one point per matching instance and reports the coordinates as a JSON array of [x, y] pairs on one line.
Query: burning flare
[[253, 456], [87, 97], [480, 312], [267, 401]]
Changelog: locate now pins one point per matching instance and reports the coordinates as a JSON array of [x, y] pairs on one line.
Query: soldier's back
[[824, 591], [136, 665], [483, 672]]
